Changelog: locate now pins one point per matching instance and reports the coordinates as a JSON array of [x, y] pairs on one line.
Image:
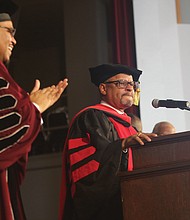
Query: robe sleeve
[[19, 121]]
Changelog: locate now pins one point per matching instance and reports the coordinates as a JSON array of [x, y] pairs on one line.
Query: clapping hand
[[46, 97]]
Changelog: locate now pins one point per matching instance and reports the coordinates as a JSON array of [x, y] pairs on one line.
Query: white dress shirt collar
[[117, 110]]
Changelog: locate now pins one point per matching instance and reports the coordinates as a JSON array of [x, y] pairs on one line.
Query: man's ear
[[102, 88]]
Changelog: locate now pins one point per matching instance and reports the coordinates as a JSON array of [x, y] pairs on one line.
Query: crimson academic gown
[[19, 125], [92, 157]]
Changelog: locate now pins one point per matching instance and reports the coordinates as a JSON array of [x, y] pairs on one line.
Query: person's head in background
[[135, 121], [164, 128]]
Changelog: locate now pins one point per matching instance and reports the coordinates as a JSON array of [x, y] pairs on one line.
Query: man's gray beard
[[126, 103]]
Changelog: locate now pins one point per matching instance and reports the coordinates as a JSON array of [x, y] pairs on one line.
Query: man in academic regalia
[[98, 146], [20, 120]]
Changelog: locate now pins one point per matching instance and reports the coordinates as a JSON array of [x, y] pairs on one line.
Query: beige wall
[[86, 45], [163, 51]]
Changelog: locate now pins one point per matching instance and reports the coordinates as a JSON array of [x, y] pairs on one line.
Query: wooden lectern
[[159, 186]]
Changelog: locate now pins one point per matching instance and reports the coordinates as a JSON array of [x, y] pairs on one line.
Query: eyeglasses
[[122, 84], [12, 31]]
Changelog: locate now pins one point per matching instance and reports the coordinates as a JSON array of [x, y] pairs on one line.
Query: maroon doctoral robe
[[19, 125]]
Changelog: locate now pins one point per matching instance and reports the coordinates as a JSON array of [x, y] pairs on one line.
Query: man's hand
[[137, 138], [46, 97]]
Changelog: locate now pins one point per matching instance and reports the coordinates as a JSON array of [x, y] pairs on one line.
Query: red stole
[[121, 129]]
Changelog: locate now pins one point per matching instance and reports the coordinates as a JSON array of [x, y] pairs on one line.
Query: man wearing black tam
[[98, 146], [20, 120]]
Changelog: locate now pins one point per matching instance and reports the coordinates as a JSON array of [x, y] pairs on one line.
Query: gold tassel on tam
[[136, 94]]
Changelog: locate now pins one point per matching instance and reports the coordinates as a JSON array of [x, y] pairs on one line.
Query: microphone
[[169, 103]]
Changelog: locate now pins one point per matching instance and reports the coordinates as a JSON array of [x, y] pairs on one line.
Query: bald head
[[164, 128]]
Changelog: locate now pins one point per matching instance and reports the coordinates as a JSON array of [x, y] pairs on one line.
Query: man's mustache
[[128, 94]]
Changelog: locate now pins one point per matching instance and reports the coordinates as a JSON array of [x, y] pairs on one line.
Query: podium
[[159, 186]]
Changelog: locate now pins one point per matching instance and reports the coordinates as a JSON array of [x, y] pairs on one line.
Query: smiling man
[[20, 120], [97, 148], [7, 40]]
